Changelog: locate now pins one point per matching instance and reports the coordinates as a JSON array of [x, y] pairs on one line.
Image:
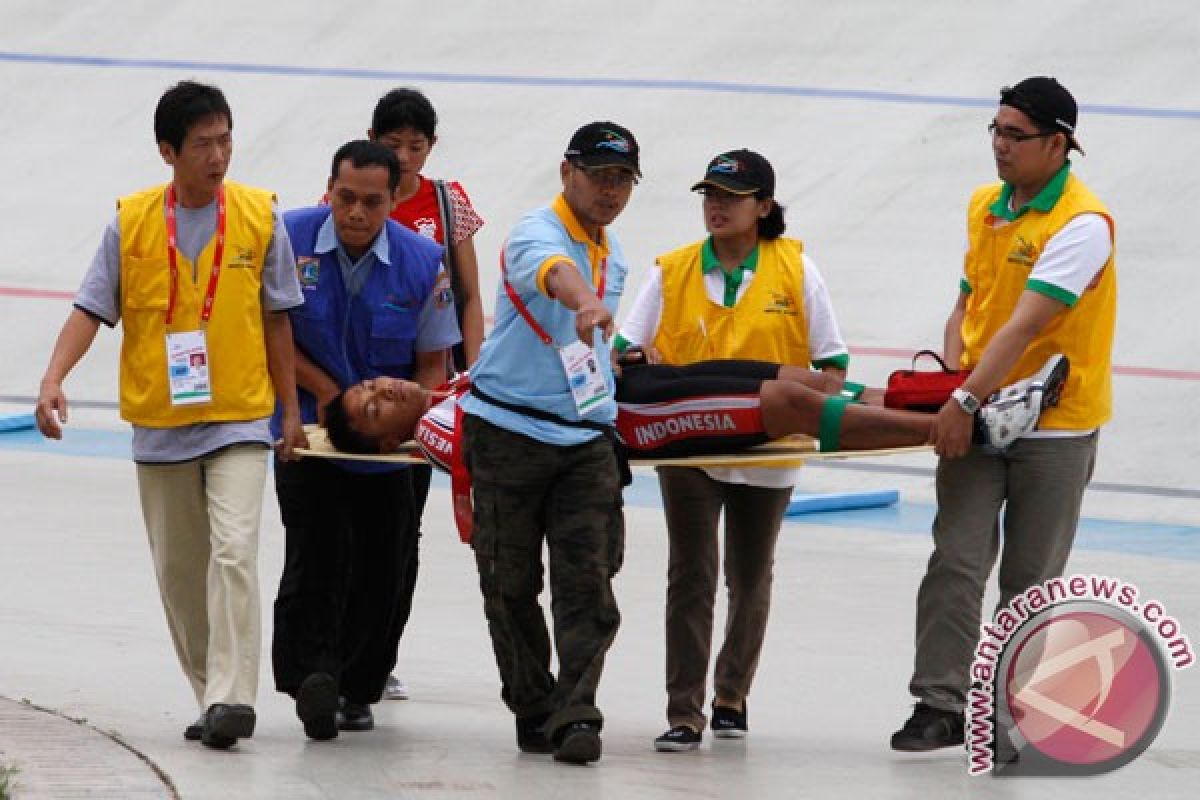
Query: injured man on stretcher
[[706, 408]]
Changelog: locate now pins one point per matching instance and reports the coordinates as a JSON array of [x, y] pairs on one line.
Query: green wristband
[[831, 422], [852, 391]]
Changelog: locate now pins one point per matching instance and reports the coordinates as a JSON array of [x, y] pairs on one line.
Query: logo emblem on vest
[[244, 258], [308, 270], [1023, 252], [780, 303]]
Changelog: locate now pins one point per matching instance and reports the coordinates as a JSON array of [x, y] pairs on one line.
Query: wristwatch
[[966, 401]]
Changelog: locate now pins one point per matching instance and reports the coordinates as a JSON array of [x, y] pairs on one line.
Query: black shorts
[[704, 408]]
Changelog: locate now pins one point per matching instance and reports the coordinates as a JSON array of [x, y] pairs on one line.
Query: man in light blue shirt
[[538, 446]]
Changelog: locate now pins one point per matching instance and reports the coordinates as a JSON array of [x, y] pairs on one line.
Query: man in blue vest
[[376, 302]]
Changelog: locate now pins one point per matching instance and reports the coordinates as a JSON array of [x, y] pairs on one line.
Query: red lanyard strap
[[523, 310], [172, 257]]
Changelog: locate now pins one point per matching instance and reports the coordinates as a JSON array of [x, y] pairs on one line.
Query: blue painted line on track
[[566, 81], [1140, 538]]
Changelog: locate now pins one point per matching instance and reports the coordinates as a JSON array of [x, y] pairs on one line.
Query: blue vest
[[375, 332]]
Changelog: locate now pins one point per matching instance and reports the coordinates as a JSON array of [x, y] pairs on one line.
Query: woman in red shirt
[[405, 122]]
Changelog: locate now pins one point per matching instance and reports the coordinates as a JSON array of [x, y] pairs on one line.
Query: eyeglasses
[[1016, 135], [608, 177]]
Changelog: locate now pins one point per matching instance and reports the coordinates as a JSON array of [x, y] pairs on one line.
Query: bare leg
[[791, 407]]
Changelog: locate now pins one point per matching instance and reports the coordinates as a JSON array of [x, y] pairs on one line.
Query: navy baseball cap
[[740, 172], [604, 144]]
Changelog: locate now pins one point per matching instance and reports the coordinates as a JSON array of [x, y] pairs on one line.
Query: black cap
[[1047, 102], [741, 172], [604, 144]]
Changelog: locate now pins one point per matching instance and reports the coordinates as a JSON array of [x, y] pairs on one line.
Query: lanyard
[[173, 245], [518, 304]]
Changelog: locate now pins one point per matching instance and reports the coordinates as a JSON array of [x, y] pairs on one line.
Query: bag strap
[[446, 212], [932, 355], [537, 413], [608, 431]]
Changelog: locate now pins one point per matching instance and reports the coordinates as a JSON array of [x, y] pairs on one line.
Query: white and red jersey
[[662, 411], [437, 433]]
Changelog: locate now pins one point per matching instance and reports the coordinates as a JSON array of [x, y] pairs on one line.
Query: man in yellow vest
[[201, 274], [1039, 279]]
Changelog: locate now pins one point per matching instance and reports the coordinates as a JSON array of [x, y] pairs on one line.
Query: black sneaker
[[225, 724], [317, 705], [578, 743], [355, 717], [728, 723], [929, 728], [531, 734], [679, 739], [195, 731]]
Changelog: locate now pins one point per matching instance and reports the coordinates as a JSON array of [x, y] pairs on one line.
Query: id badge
[[187, 368], [584, 375]]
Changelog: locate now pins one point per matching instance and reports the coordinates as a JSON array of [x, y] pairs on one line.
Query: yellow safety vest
[[767, 323], [999, 261], [241, 384]]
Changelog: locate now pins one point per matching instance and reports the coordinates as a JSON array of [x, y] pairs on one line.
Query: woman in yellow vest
[[745, 292]]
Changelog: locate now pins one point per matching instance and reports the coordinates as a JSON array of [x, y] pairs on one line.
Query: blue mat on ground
[[841, 501], [17, 422]]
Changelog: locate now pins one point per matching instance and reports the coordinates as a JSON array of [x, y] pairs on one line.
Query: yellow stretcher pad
[[786, 452]]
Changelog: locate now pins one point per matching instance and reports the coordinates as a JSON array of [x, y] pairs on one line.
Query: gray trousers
[[753, 514], [1039, 484]]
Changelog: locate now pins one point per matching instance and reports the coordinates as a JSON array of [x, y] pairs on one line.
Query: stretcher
[[786, 452]]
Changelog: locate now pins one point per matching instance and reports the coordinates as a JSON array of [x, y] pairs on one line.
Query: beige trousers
[[202, 520]]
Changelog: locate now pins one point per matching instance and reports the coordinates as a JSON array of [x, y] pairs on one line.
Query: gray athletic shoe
[[395, 689], [1014, 411]]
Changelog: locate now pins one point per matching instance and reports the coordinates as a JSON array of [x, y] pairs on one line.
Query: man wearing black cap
[[539, 453], [1039, 278]]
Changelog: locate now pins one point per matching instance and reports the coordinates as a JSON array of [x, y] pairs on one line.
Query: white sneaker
[[1014, 411], [395, 689]]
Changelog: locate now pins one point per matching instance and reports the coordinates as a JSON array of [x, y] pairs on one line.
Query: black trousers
[[345, 594]]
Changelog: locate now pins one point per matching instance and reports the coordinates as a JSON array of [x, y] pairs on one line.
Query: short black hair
[[341, 434], [772, 225], [404, 108], [365, 153], [182, 106]]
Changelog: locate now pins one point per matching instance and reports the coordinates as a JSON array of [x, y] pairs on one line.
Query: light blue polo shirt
[[514, 365]]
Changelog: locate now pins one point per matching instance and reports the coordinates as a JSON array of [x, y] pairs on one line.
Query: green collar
[[1044, 201], [733, 280], [709, 260]]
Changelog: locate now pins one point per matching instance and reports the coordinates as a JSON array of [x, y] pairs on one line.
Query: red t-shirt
[[420, 213]]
